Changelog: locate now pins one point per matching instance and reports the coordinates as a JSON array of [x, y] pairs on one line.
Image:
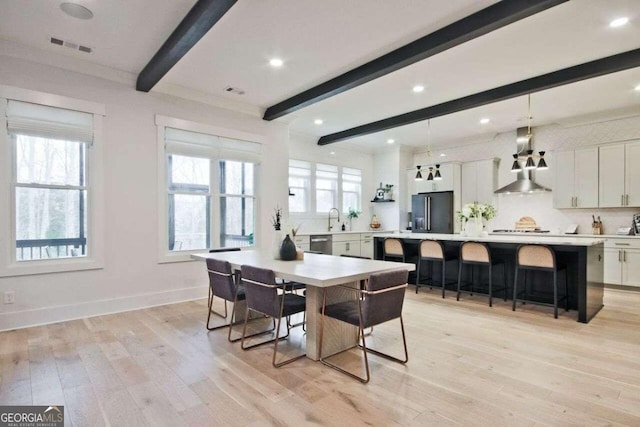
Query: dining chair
[[542, 258], [433, 251], [211, 295], [479, 254], [223, 284], [262, 296], [380, 301]]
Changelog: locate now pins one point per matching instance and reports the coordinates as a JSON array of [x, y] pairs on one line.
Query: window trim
[[162, 122], [9, 266]]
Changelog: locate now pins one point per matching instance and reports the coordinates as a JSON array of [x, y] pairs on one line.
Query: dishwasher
[[321, 243]]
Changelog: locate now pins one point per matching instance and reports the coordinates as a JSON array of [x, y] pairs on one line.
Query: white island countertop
[[502, 238], [315, 233]]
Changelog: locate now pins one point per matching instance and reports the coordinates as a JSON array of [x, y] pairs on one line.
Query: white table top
[[314, 270], [503, 238]]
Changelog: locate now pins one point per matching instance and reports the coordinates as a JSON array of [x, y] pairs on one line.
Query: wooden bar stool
[[475, 253], [541, 258], [393, 250], [432, 251]]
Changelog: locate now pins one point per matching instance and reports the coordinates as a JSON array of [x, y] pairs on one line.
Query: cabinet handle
[[626, 200], [576, 201], [622, 200], [347, 246]]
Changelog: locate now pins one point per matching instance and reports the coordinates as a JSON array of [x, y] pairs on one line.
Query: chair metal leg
[[504, 280], [459, 278], [444, 263], [490, 286], [566, 290], [211, 296], [515, 289], [210, 310], [244, 333], [418, 274], [555, 294]]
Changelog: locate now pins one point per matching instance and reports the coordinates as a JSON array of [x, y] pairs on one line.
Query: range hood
[[523, 183]]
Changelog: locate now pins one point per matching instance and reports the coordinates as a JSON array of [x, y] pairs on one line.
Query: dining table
[[318, 272]]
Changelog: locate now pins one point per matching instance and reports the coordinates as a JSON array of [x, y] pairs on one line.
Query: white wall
[[132, 276], [540, 206], [304, 147]]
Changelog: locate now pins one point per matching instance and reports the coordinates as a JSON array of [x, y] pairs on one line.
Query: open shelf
[[382, 201]]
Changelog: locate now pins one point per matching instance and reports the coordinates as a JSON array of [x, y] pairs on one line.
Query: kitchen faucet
[[329, 226]]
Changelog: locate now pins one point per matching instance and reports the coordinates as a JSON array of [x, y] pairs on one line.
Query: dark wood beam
[[202, 16], [599, 67], [489, 19]]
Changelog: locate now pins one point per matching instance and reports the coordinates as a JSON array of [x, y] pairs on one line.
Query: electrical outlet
[[9, 297]]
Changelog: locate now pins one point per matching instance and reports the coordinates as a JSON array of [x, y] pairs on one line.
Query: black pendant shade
[[437, 176], [419, 174], [516, 165]]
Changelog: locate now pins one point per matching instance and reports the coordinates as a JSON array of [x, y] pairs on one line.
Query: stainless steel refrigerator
[[433, 212]]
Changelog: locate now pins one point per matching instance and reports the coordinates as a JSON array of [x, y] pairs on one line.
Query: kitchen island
[[584, 258]]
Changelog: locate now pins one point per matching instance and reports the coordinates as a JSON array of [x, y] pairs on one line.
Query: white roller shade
[[49, 122], [198, 144]]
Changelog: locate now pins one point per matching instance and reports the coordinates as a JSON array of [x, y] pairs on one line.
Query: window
[[326, 187], [320, 187], [299, 186], [210, 190], [50, 190], [351, 189]]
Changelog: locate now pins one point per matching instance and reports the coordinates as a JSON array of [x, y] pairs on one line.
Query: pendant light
[[437, 176], [434, 172], [430, 176], [419, 174], [530, 164]]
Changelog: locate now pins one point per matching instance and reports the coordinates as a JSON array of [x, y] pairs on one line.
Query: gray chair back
[[261, 290], [379, 307], [221, 279]]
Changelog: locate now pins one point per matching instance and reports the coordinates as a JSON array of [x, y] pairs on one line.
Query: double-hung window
[[326, 187], [299, 186], [351, 189], [210, 190], [50, 152]]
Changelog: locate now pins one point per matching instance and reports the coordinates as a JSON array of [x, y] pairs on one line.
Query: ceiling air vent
[[70, 45], [234, 90]]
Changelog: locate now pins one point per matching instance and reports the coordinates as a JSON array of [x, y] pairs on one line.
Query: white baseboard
[[61, 313]]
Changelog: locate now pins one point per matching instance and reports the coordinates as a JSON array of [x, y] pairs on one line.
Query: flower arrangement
[[476, 210]]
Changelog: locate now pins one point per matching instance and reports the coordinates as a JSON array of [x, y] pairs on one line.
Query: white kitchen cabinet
[[366, 245], [302, 242], [622, 262], [346, 248], [576, 179], [479, 181], [619, 175]]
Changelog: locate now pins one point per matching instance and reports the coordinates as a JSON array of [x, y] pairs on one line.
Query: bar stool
[[392, 250], [432, 251], [475, 253], [541, 258]]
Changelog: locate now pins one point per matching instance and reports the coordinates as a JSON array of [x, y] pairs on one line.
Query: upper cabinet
[[619, 184], [479, 181], [576, 179]]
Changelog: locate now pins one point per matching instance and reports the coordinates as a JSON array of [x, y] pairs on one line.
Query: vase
[[276, 243], [473, 227], [288, 249]]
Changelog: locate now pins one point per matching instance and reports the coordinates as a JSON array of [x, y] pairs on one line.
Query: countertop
[[588, 236], [540, 238], [315, 233]]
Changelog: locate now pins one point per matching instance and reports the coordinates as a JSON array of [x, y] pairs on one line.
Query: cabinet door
[[468, 187], [563, 191], [346, 248], [612, 266], [486, 180], [366, 247], [586, 178], [632, 171], [446, 183], [631, 267], [423, 186], [411, 186], [612, 176]]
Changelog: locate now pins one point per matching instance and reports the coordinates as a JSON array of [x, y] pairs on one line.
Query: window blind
[[49, 122], [210, 146]]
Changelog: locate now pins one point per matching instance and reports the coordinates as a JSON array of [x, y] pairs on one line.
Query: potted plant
[[471, 216], [353, 213]]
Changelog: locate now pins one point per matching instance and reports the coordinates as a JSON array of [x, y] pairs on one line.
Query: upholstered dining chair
[[262, 296], [212, 295], [380, 301]]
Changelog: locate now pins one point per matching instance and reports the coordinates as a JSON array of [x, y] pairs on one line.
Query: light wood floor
[[468, 365]]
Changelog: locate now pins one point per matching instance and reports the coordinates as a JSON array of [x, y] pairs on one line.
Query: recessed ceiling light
[[318, 121], [619, 22], [443, 155], [333, 153], [637, 88], [76, 11], [276, 62], [418, 88], [484, 121], [390, 141]]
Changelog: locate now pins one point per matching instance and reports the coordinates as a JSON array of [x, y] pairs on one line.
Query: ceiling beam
[[588, 70], [202, 16], [488, 19]]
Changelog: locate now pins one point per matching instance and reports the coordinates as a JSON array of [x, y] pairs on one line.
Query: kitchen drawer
[[301, 240], [622, 244], [346, 237], [365, 236]]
